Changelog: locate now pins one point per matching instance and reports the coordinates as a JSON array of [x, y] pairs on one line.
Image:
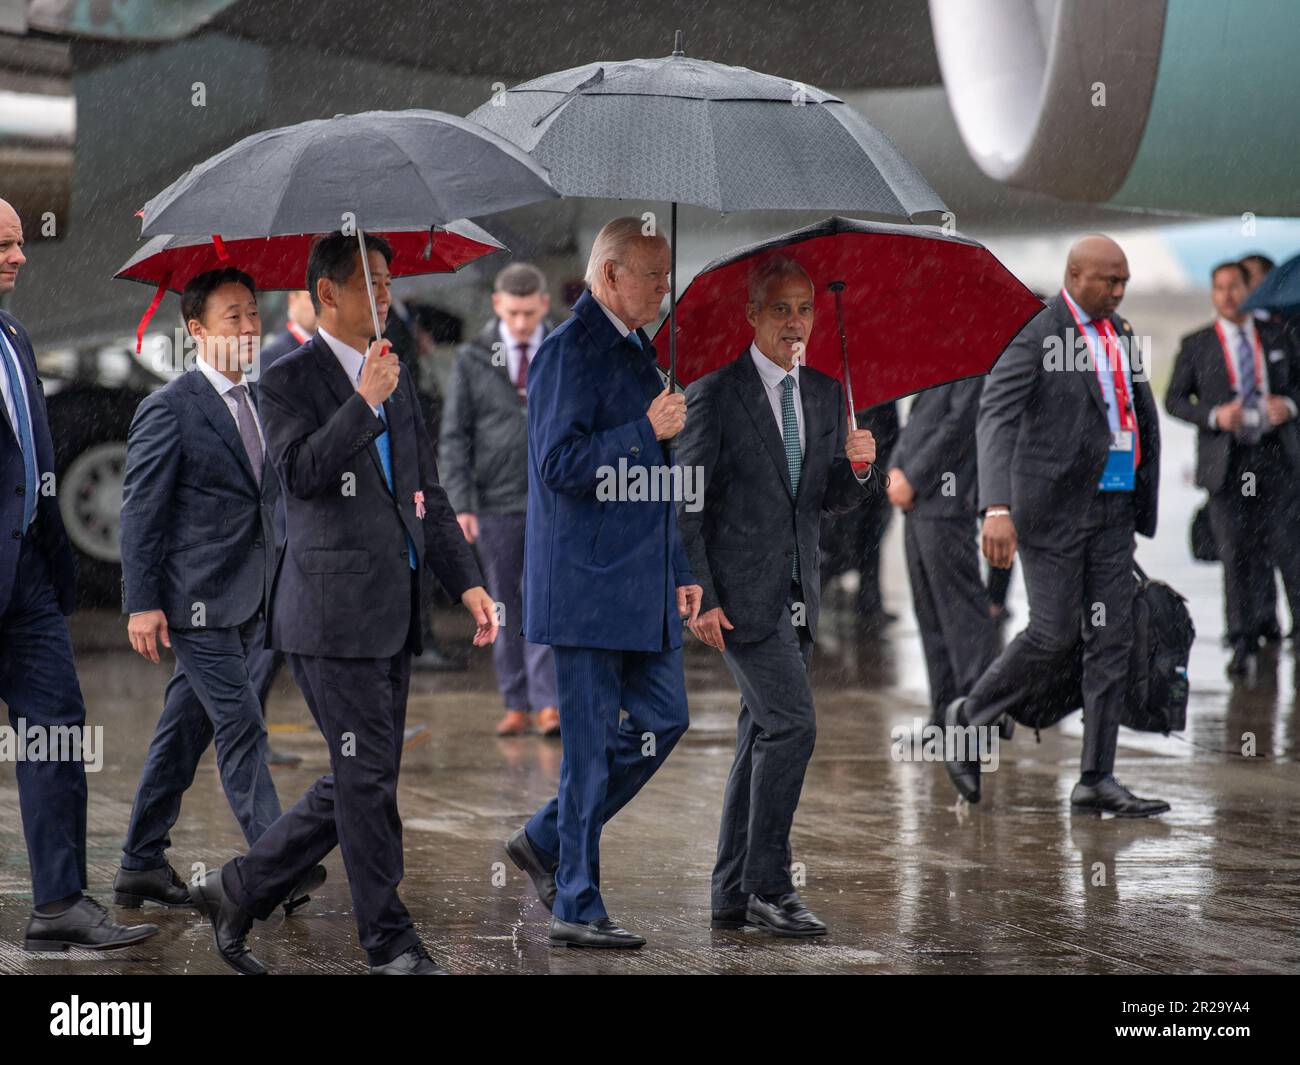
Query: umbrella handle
[[370, 288], [838, 287]]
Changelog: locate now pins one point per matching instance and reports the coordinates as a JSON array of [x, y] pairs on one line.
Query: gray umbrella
[[379, 170], [690, 131]]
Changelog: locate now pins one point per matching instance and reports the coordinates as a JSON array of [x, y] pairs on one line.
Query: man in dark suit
[[1069, 461], [199, 540], [1236, 382], [299, 324], [368, 529], [771, 440], [485, 472], [606, 582], [38, 677], [935, 483]]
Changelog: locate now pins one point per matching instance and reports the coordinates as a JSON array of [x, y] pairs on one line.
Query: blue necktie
[[636, 340], [1249, 383], [23, 428], [793, 454], [385, 448]]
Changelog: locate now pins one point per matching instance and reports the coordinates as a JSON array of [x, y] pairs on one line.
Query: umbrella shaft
[[370, 287]]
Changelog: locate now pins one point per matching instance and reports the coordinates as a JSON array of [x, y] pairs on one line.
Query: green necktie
[[793, 453]]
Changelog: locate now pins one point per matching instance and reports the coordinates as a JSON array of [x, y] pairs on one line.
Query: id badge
[[1118, 474]]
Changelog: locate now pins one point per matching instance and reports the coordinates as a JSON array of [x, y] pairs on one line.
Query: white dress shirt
[[349, 358], [223, 385], [1232, 333], [623, 330], [11, 354], [512, 347], [772, 375]]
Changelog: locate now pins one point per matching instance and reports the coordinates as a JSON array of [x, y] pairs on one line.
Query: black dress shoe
[[601, 933], [414, 961], [784, 916], [731, 916], [134, 887], [274, 757], [1006, 726], [85, 924], [965, 775], [230, 924], [301, 893], [1110, 796], [528, 861]]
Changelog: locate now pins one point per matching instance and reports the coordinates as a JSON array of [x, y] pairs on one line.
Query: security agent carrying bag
[[1162, 642]]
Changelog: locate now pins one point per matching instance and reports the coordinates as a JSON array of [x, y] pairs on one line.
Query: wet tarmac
[[908, 879]]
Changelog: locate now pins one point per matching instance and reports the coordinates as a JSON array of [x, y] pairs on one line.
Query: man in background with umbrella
[[606, 582], [1069, 470], [365, 517], [771, 438]]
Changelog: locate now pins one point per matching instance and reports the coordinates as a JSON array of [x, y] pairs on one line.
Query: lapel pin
[[419, 505]]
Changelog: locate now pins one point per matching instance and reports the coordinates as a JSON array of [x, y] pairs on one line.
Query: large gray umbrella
[[378, 170], [686, 130]]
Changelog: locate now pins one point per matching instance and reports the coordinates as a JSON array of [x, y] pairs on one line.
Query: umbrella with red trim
[[171, 263], [913, 307]]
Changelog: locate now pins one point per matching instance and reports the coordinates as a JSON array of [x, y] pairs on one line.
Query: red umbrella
[[281, 262], [919, 308]]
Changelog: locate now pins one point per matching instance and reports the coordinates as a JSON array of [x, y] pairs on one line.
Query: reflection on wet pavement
[[907, 879]]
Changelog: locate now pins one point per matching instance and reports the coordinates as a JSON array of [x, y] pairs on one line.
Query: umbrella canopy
[[171, 262], [281, 262], [381, 169], [1279, 291], [920, 307], [686, 130]]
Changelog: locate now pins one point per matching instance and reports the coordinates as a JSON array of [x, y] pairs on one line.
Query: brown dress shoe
[[548, 721], [515, 723]]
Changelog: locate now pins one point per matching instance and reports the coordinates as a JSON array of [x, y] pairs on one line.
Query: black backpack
[[1162, 643]]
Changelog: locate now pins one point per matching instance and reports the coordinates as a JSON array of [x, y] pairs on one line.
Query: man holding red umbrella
[[771, 437]]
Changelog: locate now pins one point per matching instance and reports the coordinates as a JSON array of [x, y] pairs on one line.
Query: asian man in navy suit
[[199, 539], [606, 581], [38, 677], [368, 529]]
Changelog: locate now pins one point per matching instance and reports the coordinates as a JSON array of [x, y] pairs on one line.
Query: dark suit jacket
[[276, 348], [937, 452], [342, 589], [484, 444], [196, 530], [597, 572], [1043, 434], [1200, 382], [742, 543], [47, 527]]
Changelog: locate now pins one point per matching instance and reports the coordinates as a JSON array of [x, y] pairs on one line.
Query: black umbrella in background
[[686, 130]]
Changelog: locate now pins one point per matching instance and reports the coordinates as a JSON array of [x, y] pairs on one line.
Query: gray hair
[[613, 240], [774, 268]]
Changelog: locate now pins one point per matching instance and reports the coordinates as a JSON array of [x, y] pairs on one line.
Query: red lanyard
[[1110, 340], [1230, 360]]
